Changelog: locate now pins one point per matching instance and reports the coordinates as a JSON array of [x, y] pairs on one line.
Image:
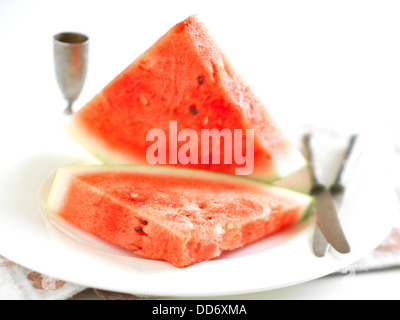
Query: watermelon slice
[[178, 215], [183, 78]]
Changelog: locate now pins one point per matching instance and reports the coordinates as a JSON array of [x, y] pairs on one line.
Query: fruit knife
[[320, 245], [328, 230]]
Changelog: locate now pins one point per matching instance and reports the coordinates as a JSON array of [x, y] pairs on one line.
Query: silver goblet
[[70, 59]]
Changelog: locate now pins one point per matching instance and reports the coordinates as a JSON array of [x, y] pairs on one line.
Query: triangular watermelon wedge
[[178, 215], [184, 80]]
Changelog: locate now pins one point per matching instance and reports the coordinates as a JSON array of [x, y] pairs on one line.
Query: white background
[[325, 63], [329, 63]]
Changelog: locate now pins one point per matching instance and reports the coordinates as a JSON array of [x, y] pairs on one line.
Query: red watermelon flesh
[[183, 77], [181, 216]]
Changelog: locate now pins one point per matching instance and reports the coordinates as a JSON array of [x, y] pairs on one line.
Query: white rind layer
[[95, 146], [288, 163]]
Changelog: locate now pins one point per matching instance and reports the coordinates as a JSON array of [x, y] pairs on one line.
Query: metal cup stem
[[70, 61]]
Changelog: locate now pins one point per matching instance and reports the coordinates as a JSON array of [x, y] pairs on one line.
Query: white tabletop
[[326, 64]]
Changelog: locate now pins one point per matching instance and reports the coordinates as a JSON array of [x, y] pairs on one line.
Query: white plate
[[288, 69], [54, 248]]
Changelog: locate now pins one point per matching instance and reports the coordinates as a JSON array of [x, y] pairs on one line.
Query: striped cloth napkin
[[386, 255], [19, 283]]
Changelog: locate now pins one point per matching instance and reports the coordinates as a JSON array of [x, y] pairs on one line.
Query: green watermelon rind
[[95, 146], [290, 162], [56, 193]]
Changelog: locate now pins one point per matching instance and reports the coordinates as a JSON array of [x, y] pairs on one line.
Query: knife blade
[[320, 245], [324, 208], [327, 219]]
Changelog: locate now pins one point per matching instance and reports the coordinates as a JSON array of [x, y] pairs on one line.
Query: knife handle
[[338, 185], [316, 186]]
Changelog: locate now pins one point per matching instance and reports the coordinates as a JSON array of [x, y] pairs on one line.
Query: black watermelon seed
[[193, 109], [200, 79], [143, 221], [138, 229]]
